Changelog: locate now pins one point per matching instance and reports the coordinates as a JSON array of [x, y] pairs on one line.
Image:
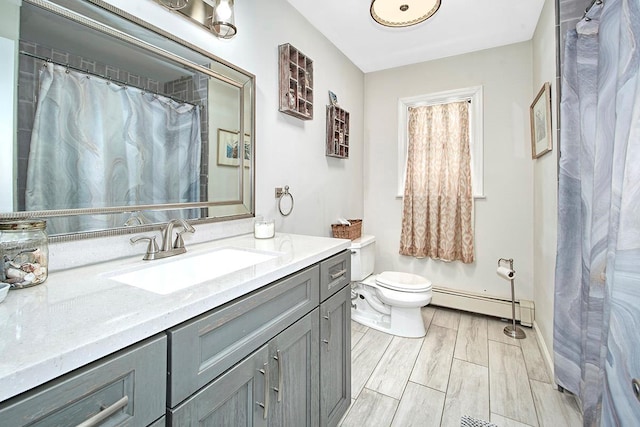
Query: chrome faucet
[[167, 249], [167, 234]]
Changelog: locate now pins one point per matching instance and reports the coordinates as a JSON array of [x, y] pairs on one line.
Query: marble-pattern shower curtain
[[96, 144], [597, 297]]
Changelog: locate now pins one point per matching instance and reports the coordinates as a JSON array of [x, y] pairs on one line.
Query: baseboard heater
[[483, 304]]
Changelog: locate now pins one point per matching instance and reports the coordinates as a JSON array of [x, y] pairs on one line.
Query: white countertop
[[80, 315]]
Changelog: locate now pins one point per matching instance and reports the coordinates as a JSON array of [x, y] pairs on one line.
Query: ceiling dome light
[[402, 13], [223, 20]]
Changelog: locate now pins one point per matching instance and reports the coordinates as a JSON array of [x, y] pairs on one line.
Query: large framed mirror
[[119, 125]]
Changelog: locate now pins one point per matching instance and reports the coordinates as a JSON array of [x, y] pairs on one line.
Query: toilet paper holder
[[512, 330], [509, 260]]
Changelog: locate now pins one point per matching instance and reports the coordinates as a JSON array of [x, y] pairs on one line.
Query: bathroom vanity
[[267, 344]]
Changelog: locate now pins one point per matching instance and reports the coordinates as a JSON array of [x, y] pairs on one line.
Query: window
[[474, 94]]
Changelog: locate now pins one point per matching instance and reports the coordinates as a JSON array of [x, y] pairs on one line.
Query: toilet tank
[[363, 255]]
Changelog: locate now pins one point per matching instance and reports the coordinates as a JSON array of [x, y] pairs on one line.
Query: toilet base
[[401, 321]]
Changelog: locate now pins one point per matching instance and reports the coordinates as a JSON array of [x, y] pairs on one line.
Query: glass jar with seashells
[[24, 252]]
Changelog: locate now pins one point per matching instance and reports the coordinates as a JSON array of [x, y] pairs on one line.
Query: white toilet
[[389, 302]]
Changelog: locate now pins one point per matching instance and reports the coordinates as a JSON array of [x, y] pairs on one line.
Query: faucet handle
[[179, 243], [152, 247]]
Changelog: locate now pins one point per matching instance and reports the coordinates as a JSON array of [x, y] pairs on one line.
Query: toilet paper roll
[[506, 273]]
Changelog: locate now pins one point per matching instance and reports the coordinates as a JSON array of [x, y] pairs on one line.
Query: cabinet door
[[237, 398], [335, 357], [295, 374]]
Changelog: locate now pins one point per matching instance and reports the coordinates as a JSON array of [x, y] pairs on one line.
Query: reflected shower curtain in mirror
[[597, 283], [97, 144]]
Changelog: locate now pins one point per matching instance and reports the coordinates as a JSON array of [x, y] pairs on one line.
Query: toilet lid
[[403, 281]]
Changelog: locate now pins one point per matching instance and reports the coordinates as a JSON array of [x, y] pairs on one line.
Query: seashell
[[3, 269], [14, 273], [26, 257], [38, 258], [40, 271], [29, 278], [28, 267], [12, 281]]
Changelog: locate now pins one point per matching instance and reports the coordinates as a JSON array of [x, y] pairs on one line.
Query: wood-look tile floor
[[465, 365]]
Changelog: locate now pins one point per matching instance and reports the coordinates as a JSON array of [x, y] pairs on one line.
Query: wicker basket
[[352, 231]]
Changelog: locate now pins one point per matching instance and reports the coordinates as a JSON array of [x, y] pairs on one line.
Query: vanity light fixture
[[402, 13], [223, 19], [175, 4], [217, 16]]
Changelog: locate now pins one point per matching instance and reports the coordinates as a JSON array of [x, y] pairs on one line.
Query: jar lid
[[23, 224]]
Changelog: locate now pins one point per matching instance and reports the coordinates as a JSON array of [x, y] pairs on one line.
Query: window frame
[[476, 132]]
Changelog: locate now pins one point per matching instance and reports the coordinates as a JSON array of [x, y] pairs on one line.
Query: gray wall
[[504, 217]]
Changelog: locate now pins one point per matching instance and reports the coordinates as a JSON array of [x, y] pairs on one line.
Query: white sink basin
[[179, 272]]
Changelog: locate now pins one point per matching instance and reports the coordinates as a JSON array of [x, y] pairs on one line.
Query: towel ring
[[280, 193]]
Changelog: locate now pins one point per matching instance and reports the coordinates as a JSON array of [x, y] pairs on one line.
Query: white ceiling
[[460, 26]]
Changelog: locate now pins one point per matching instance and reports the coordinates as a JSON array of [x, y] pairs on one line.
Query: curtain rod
[[590, 6], [116, 81]]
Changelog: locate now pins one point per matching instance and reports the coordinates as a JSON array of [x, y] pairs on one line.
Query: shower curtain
[[597, 296], [97, 144]]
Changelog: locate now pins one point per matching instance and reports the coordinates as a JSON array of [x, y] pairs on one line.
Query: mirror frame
[[55, 8]]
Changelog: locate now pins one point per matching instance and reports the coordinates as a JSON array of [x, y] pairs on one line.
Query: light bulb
[[223, 10], [222, 22]]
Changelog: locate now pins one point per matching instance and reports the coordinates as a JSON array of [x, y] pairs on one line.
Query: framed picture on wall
[[228, 148], [540, 112]]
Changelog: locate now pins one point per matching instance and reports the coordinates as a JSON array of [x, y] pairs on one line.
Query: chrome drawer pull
[[278, 389], [265, 405], [98, 418], [338, 274], [328, 318]]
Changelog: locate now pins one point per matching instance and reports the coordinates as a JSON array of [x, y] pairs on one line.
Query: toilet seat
[[404, 282]]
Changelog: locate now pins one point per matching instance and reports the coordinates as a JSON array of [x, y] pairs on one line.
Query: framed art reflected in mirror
[[229, 149]]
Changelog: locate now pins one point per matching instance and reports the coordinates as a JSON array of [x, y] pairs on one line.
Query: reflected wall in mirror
[[117, 123]]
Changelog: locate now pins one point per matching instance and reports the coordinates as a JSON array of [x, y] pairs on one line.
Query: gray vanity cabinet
[[294, 381], [277, 385], [335, 357], [278, 356], [203, 348], [126, 388], [238, 398], [299, 376]]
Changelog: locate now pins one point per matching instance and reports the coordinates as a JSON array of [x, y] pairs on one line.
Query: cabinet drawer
[[203, 348], [129, 385], [335, 273]]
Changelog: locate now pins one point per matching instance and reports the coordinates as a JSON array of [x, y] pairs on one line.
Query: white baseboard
[[545, 353], [484, 304]]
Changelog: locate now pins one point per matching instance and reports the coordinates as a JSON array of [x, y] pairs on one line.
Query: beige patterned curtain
[[438, 203]]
